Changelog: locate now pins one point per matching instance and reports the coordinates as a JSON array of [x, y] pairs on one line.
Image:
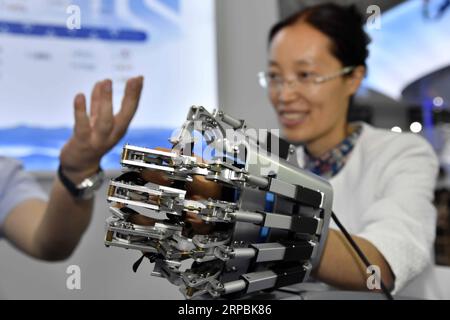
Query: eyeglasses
[[274, 81]]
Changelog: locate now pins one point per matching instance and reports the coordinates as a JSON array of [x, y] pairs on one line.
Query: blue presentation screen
[[44, 64]]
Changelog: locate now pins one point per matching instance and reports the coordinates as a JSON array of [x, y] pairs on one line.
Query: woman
[[383, 182]]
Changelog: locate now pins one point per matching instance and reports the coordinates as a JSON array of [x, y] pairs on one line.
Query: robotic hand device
[[266, 232]]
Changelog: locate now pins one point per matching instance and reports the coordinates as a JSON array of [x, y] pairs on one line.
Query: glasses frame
[[265, 83]]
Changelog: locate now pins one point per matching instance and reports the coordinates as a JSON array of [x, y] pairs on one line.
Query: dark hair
[[344, 25]]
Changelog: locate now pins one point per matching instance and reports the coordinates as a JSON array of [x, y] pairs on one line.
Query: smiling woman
[[321, 50], [317, 62]]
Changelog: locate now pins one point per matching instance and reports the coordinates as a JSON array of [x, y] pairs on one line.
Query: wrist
[[82, 184], [78, 161]]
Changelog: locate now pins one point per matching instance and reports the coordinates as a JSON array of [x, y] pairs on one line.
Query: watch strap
[[73, 189]]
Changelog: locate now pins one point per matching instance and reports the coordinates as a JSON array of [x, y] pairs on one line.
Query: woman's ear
[[354, 80]]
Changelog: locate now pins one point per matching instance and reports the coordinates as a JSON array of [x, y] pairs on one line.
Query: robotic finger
[[269, 232]]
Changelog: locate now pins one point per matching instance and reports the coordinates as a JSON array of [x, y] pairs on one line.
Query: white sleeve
[[16, 186], [401, 223]]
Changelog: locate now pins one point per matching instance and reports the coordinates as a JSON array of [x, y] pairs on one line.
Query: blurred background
[[200, 52]]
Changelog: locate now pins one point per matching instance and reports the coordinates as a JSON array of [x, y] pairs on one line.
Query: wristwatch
[[86, 189]]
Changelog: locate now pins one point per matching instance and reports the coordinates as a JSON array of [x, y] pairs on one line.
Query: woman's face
[[308, 111]]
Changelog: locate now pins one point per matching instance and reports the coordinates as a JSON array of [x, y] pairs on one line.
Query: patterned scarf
[[330, 164]]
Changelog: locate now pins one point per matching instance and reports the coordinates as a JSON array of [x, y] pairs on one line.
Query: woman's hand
[[199, 189]]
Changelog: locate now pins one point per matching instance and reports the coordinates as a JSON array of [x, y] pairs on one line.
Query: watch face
[[89, 186], [87, 194]]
